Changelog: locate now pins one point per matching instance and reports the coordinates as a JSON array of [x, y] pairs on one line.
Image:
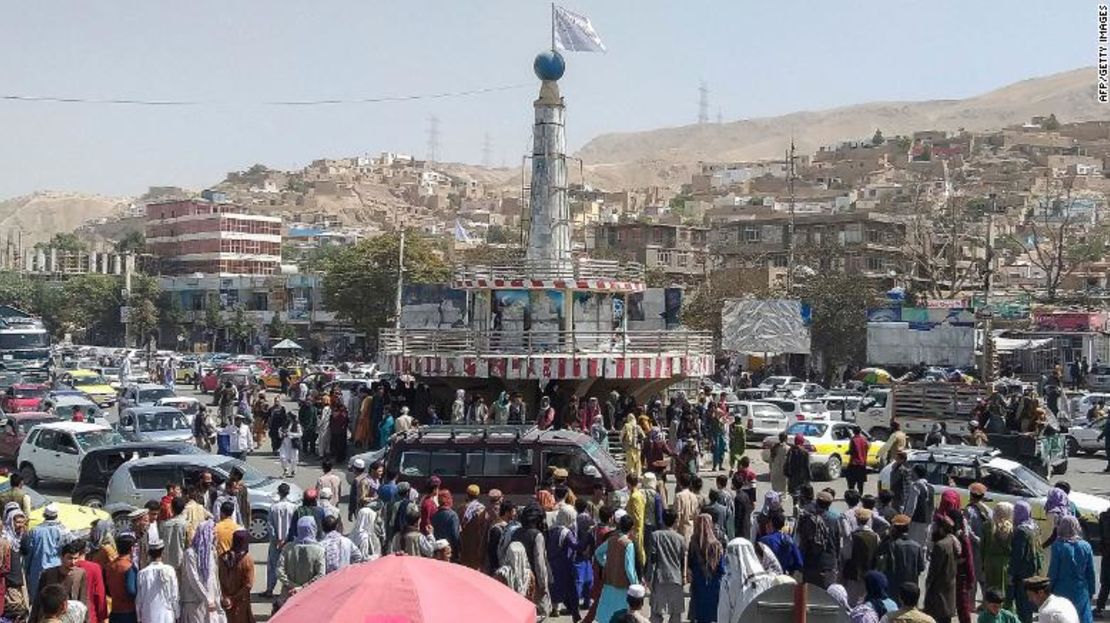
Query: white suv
[[761, 419], [54, 451], [802, 410]]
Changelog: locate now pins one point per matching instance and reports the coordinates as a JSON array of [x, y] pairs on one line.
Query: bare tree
[[934, 241], [1056, 242]]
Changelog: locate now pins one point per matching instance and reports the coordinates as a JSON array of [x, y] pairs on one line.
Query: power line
[[55, 99]]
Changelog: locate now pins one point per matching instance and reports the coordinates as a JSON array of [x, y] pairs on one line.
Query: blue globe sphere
[[549, 65]]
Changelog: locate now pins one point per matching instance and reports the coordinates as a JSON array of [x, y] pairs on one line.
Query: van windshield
[[601, 458]]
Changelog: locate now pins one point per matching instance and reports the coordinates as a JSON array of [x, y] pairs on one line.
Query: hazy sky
[[758, 58]]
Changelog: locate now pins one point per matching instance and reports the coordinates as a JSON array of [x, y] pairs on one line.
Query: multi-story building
[[677, 250], [867, 243], [210, 237]]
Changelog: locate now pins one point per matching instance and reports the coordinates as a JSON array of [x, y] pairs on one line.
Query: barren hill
[[42, 214], [633, 158]]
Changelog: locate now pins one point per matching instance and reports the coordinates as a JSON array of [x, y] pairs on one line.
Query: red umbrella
[[406, 589]]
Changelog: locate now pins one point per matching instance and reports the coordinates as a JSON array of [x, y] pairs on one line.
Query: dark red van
[[513, 459]]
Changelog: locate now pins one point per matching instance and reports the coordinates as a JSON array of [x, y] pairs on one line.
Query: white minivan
[[54, 451], [801, 410], [761, 419]]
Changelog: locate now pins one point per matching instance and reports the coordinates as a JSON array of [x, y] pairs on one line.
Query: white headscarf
[[745, 578], [9, 525], [363, 534]]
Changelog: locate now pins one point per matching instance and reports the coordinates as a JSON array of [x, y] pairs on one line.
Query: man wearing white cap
[[44, 543], [157, 599], [635, 598]]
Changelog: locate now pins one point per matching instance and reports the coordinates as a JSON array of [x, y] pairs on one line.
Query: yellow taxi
[[273, 381], [828, 444], [94, 385], [78, 519]]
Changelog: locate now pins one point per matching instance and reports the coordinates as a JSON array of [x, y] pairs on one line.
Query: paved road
[[1084, 474]]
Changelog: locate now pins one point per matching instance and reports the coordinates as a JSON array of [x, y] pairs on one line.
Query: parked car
[[112, 375], [155, 424], [54, 451], [827, 443], [209, 380], [842, 407], [76, 518], [1083, 403], [9, 378], [779, 381], [16, 427], [66, 407], [99, 464], [801, 389], [800, 410], [1083, 438], [754, 393], [956, 467], [1098, 379], [761, 419], [93, 384], [272, 378], [143, 395], [23, 397], [240, 378], [511, 458], [186, 369], [186, 404], [140, 480]]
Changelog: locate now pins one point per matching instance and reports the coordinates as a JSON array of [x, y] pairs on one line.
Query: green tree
[[131, 242], [1050, 124], [213, 320], [497, 234], [171, 317], [279, 329], [360, 281], [143, 319], [239, 327], [878, 139], [838, 302], [87, 304], [64, 242], [486, 255], [17, 291]]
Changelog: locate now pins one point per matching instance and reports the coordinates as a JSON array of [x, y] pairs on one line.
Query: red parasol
[[406, 589]]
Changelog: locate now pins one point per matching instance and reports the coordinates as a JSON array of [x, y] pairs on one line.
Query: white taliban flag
[[575, 33]]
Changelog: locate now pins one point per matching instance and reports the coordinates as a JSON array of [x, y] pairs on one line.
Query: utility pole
[[703, 103], [128, 263], [987, 314], [400, 280], [790, 223]]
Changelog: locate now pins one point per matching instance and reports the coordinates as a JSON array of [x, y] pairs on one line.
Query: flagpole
[[552, 26]]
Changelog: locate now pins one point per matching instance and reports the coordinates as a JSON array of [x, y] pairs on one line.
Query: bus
[[24, 343]]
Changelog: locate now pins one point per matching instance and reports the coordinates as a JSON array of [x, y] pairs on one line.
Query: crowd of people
[[182, 558]]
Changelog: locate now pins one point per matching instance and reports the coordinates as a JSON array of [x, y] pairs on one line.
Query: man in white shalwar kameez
[[157, 599]]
